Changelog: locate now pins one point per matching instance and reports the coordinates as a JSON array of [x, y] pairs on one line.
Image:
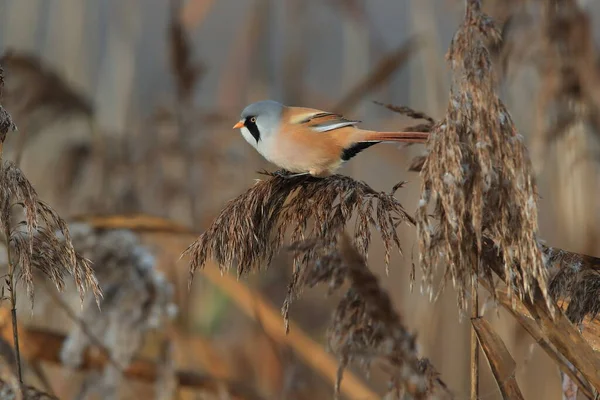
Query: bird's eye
[[253, 120]]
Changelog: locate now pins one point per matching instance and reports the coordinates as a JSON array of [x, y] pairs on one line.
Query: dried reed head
[[364, 327], [251, 228], [427, 126], [437, 387], [34, 86], [6, 122], [414, 114], [39, 239], [576, 278], [478, 176], [52, 259], [137, 299]]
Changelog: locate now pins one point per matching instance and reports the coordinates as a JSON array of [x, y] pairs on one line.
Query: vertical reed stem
[[474, 343], [13, 302]]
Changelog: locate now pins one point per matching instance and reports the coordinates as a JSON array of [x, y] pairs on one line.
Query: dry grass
[[255, 306], [251, 228], [37, 236], [478, 177], [6, 122], [554, 328], [502, 364], [36, 239], [477, 216], [365, 327], [52, 259], [39, 240], [409, 112], [312, 273], [574, 278]]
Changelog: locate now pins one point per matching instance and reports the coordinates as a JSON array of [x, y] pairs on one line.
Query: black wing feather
[[356, 148]]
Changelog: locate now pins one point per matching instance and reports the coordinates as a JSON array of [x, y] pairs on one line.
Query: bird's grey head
[[261, 120]]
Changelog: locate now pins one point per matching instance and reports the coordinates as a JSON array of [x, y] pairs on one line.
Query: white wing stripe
[[325, 127]]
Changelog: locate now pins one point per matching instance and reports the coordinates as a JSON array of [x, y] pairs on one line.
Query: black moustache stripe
[[253, 129]]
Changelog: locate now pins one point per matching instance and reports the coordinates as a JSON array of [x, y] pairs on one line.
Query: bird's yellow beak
[[238, 125]]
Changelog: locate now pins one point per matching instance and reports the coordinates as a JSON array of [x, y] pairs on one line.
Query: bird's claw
[[284, 174]]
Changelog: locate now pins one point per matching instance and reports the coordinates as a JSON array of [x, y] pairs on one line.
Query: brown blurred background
[[143, 148]]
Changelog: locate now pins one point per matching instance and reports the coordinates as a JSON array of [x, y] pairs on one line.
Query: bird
[[308, 141]]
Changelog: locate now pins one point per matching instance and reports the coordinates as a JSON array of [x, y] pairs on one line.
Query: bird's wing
[[320, 121]]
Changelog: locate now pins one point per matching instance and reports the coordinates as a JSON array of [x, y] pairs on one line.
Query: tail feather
[[403, 137]]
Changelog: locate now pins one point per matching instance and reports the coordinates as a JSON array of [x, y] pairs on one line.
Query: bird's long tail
[[403, 137]]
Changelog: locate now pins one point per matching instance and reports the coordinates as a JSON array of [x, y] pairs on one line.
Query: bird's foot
[[282, 173], [294, 175], [286, 174]]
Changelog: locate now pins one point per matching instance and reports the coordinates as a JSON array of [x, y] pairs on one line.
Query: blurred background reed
[[126, 107]]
